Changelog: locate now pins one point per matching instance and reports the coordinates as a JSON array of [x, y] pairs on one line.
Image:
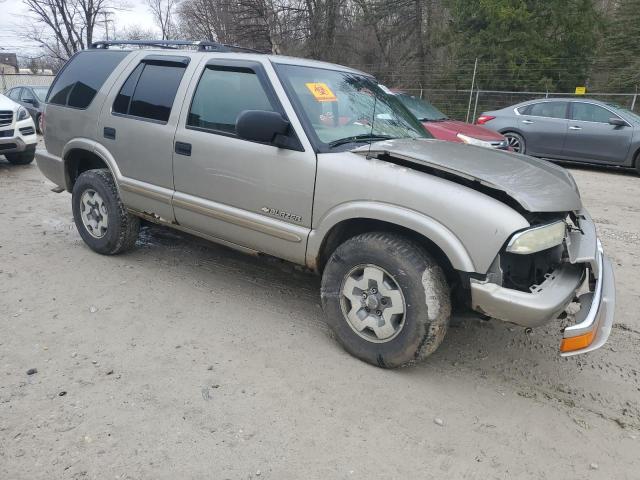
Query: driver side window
[[222, 94]]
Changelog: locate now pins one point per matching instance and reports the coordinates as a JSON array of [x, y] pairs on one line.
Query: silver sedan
[[570, 129]]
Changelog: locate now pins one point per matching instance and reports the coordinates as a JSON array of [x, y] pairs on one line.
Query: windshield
[[340, 106], [41, 92], [423, 110], [625, 111]]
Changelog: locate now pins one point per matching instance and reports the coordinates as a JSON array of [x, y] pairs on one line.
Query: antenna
[[373, 119]]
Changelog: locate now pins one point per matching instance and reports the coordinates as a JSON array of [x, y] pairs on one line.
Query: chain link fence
[[467, 105], [464, 105], [8, 81]]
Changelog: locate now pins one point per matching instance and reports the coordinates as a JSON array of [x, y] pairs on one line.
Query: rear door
[[137, 126], [251, 194], [591, 138], [544, 125]]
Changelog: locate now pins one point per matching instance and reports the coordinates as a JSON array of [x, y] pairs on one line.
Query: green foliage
[[621, 47], [526, 44]]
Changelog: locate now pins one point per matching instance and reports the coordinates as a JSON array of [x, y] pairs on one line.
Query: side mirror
[[32, 101], [261, 126], [618, 122]]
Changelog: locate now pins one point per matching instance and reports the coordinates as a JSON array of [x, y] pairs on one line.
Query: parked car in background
[[570, 129], [31, 98], [17, 132], [444, 128]]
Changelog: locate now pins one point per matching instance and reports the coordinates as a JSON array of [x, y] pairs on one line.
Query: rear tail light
[[482, 119]]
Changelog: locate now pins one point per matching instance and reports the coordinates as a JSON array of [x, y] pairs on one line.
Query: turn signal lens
[[571, 344]]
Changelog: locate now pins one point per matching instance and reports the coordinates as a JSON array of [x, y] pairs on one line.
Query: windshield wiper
[[358, 138]]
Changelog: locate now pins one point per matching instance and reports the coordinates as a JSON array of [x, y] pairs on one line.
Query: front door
[[591, 138], [251, 194]]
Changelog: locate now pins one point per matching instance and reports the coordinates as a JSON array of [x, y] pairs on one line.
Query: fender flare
[[91, 146], [426, 226]]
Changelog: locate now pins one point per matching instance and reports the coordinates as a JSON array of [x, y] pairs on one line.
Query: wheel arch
[[80, 155], [346, 221]]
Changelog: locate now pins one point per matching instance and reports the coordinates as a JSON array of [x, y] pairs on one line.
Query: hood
[[7, 104], [537, 185], [449, 129]]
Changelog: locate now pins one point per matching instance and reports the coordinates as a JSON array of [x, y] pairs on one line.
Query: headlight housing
[[22, 114], [537, 239], [474, 141]]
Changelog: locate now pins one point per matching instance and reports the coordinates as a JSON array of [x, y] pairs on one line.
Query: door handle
[[573, 127], [527, 122], [109, 132], [183, 148]]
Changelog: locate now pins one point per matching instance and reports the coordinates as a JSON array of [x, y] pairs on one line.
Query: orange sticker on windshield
[[321, 92]]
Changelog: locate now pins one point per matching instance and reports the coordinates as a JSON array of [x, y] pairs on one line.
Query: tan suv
[[319, 165]]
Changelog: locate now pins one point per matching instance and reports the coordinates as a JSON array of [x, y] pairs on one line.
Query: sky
[[14, 18]]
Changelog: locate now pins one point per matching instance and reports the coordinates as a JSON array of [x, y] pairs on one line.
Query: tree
[[526, 44], [64, 27], [163, 12], [620, 47]]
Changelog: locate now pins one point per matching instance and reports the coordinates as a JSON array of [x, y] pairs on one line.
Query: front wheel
[[101, 218], [386, 299], [516, 142]]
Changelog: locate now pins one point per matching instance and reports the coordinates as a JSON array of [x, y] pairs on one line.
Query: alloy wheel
[[373, 303], [93, 212]]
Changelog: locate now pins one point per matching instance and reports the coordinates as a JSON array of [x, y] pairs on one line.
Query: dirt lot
[[184, 359]]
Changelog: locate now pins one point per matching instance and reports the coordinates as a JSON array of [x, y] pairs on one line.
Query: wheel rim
[[372, 303], [93, 212], [514, 143]]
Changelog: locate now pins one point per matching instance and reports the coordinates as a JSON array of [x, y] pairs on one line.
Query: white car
[[17, 132]]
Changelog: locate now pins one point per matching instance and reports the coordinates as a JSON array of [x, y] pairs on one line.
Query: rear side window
[[150, 90], [82, 77], [548, 109], [222, 94]]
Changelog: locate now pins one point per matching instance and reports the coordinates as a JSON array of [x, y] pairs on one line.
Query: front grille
[[7, 146], [6, 117], [27, 131], [6, 133]]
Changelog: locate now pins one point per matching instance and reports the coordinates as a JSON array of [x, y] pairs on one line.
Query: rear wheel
[[100, 216], [386, 299], [637, 163], [516, 142], [22, 158]]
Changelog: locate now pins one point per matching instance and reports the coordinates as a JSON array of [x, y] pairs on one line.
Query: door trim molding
[[242, 218]]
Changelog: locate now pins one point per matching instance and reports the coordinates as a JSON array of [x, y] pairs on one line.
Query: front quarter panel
[[469, 227]]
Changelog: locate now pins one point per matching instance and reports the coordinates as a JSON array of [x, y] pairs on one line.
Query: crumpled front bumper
[[587, 266]]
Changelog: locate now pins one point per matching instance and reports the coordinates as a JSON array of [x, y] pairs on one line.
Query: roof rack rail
[[203, 46]]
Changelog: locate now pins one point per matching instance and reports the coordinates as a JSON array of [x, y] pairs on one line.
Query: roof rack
[[203, 46]]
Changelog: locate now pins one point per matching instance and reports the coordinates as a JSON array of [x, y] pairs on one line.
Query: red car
[[443, 128]]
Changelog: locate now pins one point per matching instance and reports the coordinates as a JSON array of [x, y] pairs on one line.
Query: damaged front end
[[531, 289]]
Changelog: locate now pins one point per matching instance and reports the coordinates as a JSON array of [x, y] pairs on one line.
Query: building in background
[[8, 63]]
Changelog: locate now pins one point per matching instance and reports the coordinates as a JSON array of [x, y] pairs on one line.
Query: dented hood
[[537, 185]]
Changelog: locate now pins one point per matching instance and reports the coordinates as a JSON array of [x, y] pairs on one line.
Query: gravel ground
[[183, 359]]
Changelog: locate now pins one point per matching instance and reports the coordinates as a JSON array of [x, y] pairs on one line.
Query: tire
[[37, 122], [119, 232], [22, 158], [419, 330], [637, 163], [515, 139]]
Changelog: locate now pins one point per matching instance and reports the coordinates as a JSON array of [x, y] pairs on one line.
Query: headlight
[[537, 239], [474, 141], [23, 113]]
